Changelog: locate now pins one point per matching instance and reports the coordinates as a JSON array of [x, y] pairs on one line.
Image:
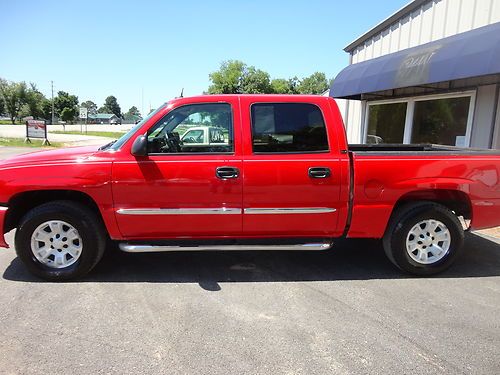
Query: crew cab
[[281, 176]]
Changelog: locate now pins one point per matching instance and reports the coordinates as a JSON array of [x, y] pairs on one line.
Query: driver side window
[[194, 128]]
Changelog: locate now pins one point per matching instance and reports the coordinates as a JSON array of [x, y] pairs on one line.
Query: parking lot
[[343, 311]]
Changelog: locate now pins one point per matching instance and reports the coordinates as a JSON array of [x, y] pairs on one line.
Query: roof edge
[[408, 8]]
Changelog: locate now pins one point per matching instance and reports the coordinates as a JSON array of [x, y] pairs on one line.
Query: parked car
[[283, 178]]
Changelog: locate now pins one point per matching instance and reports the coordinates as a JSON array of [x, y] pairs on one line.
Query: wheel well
[[455, 200], [21, 203]]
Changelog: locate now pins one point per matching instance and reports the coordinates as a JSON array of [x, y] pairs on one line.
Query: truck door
[[292, 169], [180, 189]]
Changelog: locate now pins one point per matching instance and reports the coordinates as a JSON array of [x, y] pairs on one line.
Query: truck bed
[[417, 149]]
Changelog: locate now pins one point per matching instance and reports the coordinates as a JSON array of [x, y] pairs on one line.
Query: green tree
[[68, 114], [284, 86], [2, 106], [133, 111], [227, 80], [91, 107], [62, 101], [14, 96], [111, 106], [46, 109], [255, 81], [33, 102], [316, 83]]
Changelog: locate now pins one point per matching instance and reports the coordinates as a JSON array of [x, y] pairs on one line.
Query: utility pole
[[52, 88]]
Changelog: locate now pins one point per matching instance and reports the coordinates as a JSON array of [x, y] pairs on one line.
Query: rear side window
[[288, 127]]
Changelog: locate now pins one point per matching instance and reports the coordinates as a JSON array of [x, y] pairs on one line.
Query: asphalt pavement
[[343, 311]]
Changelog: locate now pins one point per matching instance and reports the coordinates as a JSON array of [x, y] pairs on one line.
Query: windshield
[[124, 138]]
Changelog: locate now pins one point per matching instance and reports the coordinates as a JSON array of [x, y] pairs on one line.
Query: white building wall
[[433, 20]]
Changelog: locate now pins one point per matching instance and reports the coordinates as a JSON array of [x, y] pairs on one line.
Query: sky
[[145, 52]]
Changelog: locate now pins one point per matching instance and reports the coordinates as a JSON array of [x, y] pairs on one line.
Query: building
[[430, 73], [104, 118]]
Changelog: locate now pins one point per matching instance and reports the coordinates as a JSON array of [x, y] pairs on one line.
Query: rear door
[[292, 169]]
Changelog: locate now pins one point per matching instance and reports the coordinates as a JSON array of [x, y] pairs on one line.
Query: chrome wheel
[[428, 241], [56, 244]]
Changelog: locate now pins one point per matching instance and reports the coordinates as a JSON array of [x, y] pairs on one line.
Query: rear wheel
[[423, 238], [60, 240]]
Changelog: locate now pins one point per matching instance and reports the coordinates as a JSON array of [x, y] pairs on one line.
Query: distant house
[[104, 118], [131, 119]]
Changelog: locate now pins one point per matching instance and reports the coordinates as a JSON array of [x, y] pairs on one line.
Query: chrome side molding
[[225, 211], [179, 211], [145, 248], [294, 210]]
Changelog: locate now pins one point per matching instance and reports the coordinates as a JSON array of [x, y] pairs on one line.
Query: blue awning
[[473, 53]]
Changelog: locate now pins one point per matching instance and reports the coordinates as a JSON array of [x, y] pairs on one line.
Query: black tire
[[88, 225], [400, 225]]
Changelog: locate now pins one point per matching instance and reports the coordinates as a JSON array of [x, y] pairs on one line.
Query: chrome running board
[[137, 248]]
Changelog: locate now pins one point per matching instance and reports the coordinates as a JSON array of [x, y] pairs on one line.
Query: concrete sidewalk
[[19, 131]]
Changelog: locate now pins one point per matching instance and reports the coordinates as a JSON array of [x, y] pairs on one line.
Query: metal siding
[[495, 11], [427, 23], [404, 41], [482, 13], [467, 10], [484, 116], [439, 19], [496, 134], [395, 36], [415, 27]]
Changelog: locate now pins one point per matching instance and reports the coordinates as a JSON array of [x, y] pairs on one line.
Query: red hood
[[62, 154]]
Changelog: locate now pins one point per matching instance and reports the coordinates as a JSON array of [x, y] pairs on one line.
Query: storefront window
[[441, 121], [386, 123], [444, 120]]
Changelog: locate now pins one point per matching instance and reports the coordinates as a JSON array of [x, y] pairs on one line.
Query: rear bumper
[[3, 213]]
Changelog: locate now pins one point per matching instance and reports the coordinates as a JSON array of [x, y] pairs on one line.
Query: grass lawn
[[96, 133], [19, 142], [8, 122]]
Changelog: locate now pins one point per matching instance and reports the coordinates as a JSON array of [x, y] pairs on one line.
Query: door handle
[[225, 173], [319, 172]]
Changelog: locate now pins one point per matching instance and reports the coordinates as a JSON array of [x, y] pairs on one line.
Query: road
[[344, 311]]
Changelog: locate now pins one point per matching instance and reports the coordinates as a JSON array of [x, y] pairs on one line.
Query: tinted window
[[441, 121], [183, 130], [288, 127], [386, 123]]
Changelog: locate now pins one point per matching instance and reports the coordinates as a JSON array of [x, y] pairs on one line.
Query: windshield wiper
[[107, 145]]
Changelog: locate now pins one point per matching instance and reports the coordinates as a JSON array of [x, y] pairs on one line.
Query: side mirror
[[140, 146]]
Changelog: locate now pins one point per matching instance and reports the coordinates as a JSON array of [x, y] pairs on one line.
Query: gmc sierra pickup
[[282, 177]]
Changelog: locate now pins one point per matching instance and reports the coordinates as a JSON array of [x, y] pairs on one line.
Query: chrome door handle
[[225, 173], [319, 172]]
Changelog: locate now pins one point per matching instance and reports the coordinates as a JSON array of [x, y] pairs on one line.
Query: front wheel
[[423, 238], [60, 240]]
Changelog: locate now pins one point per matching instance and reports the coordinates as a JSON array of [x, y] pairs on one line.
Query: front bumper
[[3, 214]]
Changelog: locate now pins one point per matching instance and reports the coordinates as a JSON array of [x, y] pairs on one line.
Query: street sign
[[83, 112]]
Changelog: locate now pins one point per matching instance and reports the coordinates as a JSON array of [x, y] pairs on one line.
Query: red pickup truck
[[277, 174]]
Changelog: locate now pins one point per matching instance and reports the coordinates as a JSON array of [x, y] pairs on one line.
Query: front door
[[292, 171], [183, 188]]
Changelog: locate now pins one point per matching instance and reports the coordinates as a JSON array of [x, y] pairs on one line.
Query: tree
[[68, 114], [227, 80], [111, 106], [62, 101], [91, 107], [2, 106], [284, 86], [33, 102], [255, 81], [46, 109], [316, 83], [133, 111], [14, 96]]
